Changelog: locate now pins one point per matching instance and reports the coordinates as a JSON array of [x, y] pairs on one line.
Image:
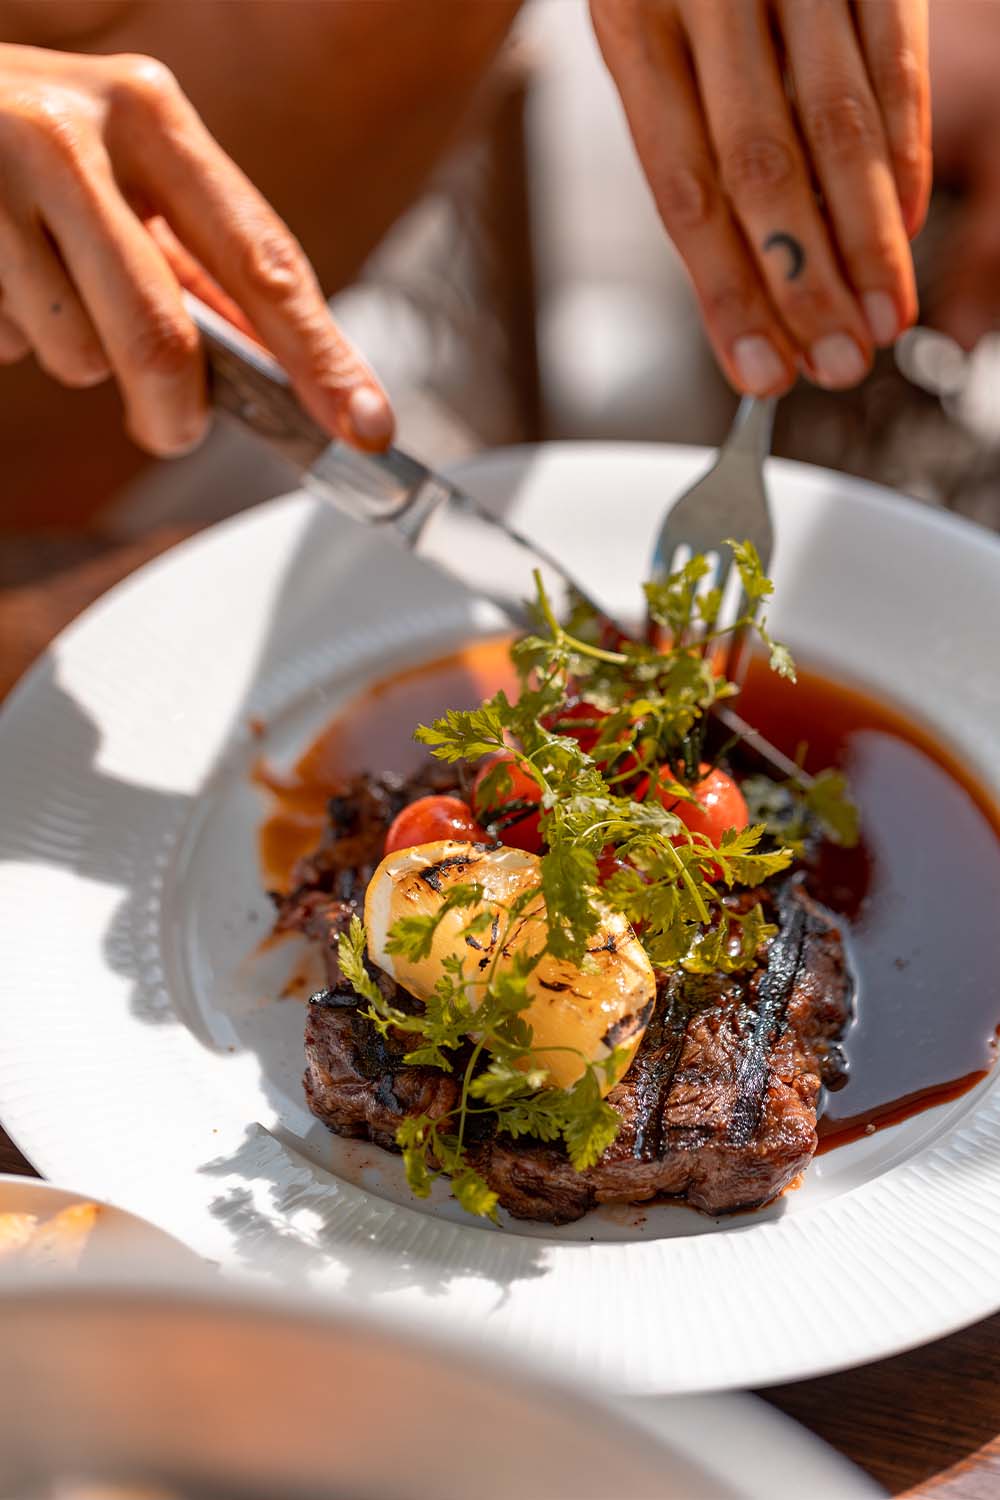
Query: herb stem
[[563, 638], [477, 1053], [692, 887]]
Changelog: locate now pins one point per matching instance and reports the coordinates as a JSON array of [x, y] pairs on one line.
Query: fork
[[729, 501]]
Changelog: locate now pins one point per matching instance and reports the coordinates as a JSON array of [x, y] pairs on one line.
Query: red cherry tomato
[[432, 818], [584, 721], [567, 720], [722, 804], [510, 815], [613, 639], [609, 864]]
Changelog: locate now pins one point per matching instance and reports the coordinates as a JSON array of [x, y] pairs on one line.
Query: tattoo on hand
[[796, 254]]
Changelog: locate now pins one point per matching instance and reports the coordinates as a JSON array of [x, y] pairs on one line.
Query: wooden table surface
[[926, 1423]]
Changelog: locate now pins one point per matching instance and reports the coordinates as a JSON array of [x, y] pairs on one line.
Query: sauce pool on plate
[[372, 733], [918, 899]]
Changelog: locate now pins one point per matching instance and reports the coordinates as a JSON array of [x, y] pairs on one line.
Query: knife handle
[[247, 383], [252, 387]]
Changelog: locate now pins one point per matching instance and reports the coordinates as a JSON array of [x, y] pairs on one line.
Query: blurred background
[[530, 293]]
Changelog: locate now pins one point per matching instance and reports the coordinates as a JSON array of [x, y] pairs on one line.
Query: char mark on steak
[[719, 1107], [784, 961], [356, 1081]]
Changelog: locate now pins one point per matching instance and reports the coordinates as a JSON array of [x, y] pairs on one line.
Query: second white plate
[[143, 1056]]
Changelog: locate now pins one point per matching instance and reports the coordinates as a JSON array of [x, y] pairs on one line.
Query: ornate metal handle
[[251, 386]]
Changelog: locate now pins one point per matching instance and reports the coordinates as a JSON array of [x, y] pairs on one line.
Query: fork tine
[[704, 587], [729, 501], [733, 597], [728, 612]]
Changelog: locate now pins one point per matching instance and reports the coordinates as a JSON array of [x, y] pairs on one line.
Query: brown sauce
[[374, 732], [919, 899]]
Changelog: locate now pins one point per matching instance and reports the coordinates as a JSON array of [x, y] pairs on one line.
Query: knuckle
[[841, 125], [144, 81], [899, 78], [53, 125], [728, 304], [145, 76], [911, 159], [881, 247], [757, 164], [330, 361], [686, 198], [166, 344], [272, 264]]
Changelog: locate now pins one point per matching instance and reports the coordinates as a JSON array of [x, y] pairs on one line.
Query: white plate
[[141, 1057]]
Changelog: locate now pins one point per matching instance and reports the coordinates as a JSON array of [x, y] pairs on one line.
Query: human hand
[[112, 196], [739, 112]]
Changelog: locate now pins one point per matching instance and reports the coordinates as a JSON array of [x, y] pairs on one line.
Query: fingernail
[[369, 415], [758, 364], [883, 320], [837, 361]]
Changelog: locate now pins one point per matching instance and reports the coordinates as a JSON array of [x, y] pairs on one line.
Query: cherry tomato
[[722, 803], [613, 639], [609, 864], [432, 818], [511, 814], [566, 720]]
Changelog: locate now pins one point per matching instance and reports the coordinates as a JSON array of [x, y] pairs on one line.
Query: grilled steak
[[357, 1082], [718, 1108], [354, 841]]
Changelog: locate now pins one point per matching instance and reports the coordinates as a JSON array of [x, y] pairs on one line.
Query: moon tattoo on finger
[[796, 255]]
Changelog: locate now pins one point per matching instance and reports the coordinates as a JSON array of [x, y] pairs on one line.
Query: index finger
[[221, 217]]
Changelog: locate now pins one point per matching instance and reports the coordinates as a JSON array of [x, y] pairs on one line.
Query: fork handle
[[751, 429]]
